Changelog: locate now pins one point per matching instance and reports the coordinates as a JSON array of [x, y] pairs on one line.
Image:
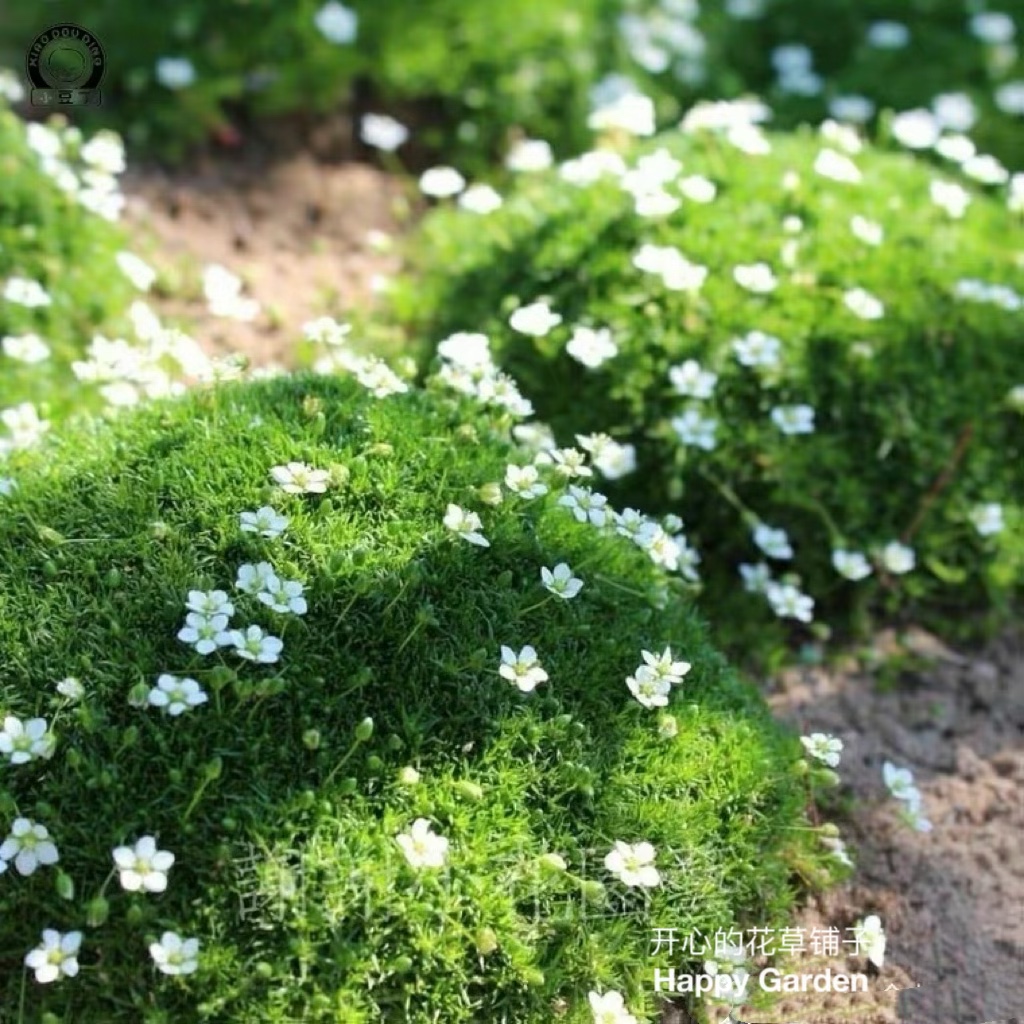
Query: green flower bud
[[553, 862], [470, 790], [65, 885], [97, 910], [408, 776], [311, 738], [364, 730], [486, 941]]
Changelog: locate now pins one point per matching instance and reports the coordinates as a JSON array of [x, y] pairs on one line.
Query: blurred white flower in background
[[382, 132], [337, 23], [175, 72]]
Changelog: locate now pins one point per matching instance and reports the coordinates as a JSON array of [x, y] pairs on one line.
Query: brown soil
[[951, 901], [290, 211]]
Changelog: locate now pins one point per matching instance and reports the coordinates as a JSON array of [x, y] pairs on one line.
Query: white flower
[[900, 783], [868, 231], [175, 72], [441, 182], [255, 645], [755, 277], [25, 426], [138, 271], [794, 419], [675, 270], [29, 846], [590, 347], [756, 577], [210, 603], [70, 688], [631, 524], [480, 199], [26, 348], [697, 188], [693, 429], [789, 603], [955, 111], [632, 113], [898, 558], [467, 350], [851, 564], [838, 849], [610, 1008], [24, 292], [325, 330], [916, 129], [298, 478], [466, 524], [993, 27], [1009, 97], [857, 109], [143, 866], [834, 165], [176, 695], [633, 865], [337, 23], [986, 169], [529, 155], [824, 747], [265, 521], [664, 667], [252, 579], [567, 462], [55, 957], [888, 35], [536, 319], [175, 955], [378, 378], [773, 542], [524, 481], [585, 505], [8, 486], [205, 633], [223, 291], [522, 669], [422, 847], [870, 939], [283, 596], [757, 349], [988, 518], [650, 689], [21, 742], [690, 380], [957, 148], [382, 132], [863, 304], [560, 581], [615, 460]]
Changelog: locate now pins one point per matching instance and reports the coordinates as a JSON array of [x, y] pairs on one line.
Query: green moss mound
[[281, 796], [896, 326], [63, 282]]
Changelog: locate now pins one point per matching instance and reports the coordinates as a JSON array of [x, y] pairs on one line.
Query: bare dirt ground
[[951, 901], [290, 211]]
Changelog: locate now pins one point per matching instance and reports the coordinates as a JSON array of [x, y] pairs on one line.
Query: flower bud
[[311, 739], [364, 730], [490, 493], [668, 727], [97, 910], [408, 776], [553, 862], [486, 941], [470, 790]]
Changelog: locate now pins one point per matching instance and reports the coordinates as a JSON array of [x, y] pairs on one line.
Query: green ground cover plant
[[69, 285], [178, 73], [808, 350], [333, 709]]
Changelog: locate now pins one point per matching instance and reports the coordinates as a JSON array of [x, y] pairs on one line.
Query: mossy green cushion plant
[[66, 276], [794, 333], [404, 650]]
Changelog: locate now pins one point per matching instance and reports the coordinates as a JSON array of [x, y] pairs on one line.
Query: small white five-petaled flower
[[422, 847], [176, 695], [298, 478], [523, 668], [143, 866], [633, 865], [55, 957], [175, 955], [29, 845], [824, 747], [560, 581], [255, 645], [466, 524], [265, 521]]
